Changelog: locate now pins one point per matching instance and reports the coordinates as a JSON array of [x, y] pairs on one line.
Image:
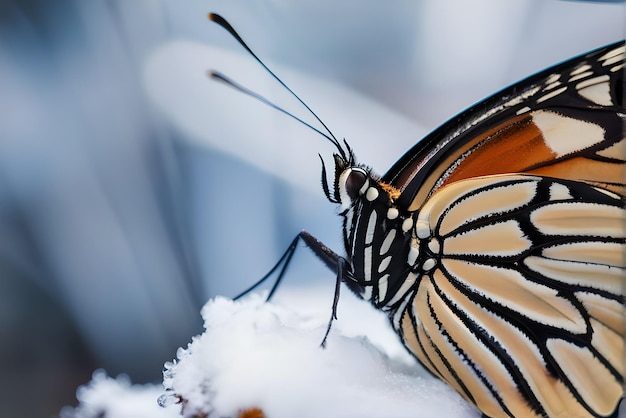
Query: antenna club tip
[[214, 17], [216, 75]]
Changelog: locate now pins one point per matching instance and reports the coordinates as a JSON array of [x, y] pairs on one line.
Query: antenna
[[224, 23], [221, 77]]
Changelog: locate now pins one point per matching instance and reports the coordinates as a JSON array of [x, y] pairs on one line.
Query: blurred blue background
[[133, 188]]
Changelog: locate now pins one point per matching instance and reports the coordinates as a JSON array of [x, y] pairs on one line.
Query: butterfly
[[496, 244]]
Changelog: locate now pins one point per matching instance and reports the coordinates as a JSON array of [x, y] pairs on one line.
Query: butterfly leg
[[284, 261], [332, 260]]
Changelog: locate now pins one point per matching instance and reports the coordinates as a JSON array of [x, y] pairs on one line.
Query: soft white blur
[[132, 187]]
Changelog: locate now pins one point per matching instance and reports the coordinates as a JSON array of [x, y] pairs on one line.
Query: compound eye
[[354, 183]]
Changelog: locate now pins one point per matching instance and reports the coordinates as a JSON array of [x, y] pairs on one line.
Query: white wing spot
[[553, 85], [581, 76], [429, 264], [617, 150], [596, 90], [559, 192], [613, 53], [434, 246], [551, 94], [580, 69], [553, 78], [591, 81], [564, 135], [613, 60]]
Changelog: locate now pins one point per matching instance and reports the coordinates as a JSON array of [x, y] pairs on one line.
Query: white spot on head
[[371, 194], [392, 213]]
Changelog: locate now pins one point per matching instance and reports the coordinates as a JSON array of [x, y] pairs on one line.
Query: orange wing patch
[[527, 145]]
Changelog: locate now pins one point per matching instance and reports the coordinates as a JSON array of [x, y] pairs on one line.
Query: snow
[[265, 355], [111, 397]]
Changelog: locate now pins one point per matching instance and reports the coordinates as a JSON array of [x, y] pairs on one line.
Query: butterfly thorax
[[389, 248]]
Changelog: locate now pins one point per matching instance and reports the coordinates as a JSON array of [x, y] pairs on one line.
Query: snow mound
[[106, 397], [264, 355]]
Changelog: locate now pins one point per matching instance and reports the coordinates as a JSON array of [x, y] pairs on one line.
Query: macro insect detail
[[496, 244]]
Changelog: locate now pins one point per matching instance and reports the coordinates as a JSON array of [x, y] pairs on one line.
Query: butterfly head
[[350, 181]]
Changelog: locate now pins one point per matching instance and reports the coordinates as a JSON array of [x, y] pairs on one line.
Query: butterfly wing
[[565, 122], [523, 314]]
